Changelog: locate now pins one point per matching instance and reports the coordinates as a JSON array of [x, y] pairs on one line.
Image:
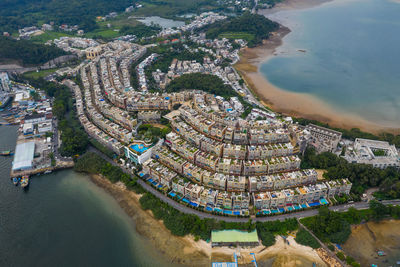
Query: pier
[[59, 166]]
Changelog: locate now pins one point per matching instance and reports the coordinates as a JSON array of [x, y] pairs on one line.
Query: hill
[[27, 52], [251, 27], [15, 14]]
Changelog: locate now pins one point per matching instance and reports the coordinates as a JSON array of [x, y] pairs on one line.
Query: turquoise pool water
[[140, 148]]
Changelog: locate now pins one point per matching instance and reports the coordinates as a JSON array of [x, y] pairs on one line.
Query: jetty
[[59, 166]]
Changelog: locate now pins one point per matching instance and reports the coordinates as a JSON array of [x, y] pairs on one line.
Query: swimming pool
[[139, 148]]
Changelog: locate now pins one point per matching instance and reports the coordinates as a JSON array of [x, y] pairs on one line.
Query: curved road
[[187, 210]]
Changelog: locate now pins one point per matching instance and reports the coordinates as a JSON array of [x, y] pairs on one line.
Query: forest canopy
[[258, 26], [27, 52]]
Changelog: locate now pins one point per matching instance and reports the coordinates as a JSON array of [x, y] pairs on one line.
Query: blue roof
[[227, 211], [236, 213], [304, 206], [313, 204], [208, 208], [185, 200], [172, 194], [150, 180], [281, 210], [194, 204]]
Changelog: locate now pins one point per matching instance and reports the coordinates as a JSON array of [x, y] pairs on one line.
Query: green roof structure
[[232, 236]]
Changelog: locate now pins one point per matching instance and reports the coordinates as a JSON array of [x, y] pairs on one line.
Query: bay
[[63, 219], [346, 53]]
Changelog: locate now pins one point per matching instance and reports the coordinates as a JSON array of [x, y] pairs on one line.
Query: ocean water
[[63, 219], [352, 58]]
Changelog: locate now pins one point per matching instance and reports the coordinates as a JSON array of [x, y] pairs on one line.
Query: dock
[[59, 166]]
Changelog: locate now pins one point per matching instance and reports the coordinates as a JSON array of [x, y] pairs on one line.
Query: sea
[[63, 219], [344, 52]]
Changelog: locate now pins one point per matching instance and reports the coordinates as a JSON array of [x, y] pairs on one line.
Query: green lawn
[[49, 35], [40, 74], [104, 32], [237, 35]]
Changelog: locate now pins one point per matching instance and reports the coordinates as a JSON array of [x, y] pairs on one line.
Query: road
[[187, 210]]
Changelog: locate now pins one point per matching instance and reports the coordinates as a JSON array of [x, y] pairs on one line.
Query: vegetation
[[172, 8], [267, 230], [253, 27], [305, 238], [48, 35], [328, 226], [39, 74], [334, 227], [379, 153], [27, 52], [249, 37], [15, 14], [52, 159], [149, 132], [106, 151], [94, 164], [361, 175], [341, 256], [168, 53], [205, 82], [74, 139]]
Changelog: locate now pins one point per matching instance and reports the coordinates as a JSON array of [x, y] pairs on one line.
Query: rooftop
[[234, 236], [23, 156]]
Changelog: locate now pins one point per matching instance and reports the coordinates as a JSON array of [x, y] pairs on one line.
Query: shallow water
[[346, 53]]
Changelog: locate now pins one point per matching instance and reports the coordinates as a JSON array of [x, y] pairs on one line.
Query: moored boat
[[6, 153], [15, 180], [24, 181]]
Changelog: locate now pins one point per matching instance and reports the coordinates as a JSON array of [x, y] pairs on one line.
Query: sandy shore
[[280, 254], [366, 239], [187, 251], [289, 103]]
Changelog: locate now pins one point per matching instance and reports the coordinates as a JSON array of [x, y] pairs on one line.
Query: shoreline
[[186, 251], [291, 103]]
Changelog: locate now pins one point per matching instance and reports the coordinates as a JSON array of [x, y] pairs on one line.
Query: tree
[[378, 209], [305, 238]]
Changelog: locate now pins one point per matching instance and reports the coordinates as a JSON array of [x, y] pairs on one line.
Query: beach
[[290, 103], [186, 251]]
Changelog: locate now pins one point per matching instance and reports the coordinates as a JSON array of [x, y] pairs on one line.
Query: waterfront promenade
[[203, 215]]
